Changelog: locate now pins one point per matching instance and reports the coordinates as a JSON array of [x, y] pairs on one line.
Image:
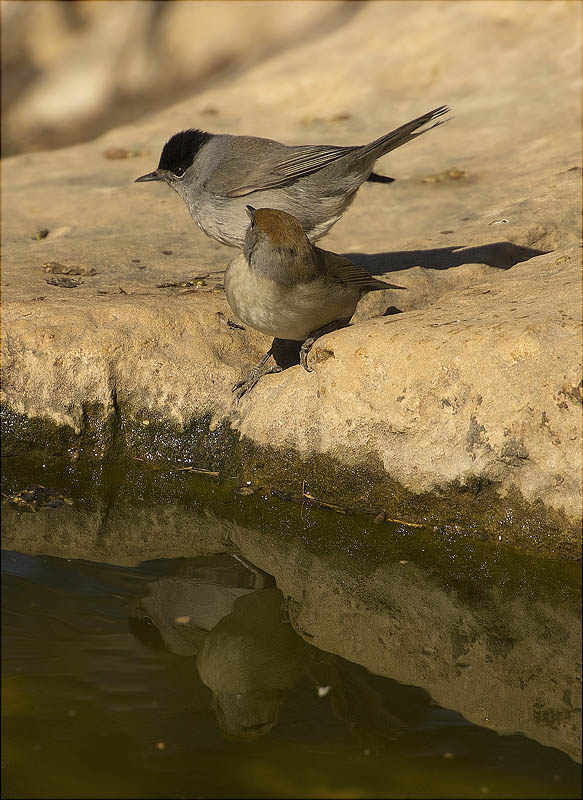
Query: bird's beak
[[151, 176], [250, 212]]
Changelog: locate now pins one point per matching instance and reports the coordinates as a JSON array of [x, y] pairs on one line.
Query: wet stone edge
[[476, 508]]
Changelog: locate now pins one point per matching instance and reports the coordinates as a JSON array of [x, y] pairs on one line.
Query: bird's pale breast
[[282, 311]]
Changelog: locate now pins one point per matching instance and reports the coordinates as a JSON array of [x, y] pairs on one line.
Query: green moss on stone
[[479, 571], [475, 510]]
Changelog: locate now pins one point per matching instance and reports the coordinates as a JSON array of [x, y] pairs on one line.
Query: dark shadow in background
[[501, 255]]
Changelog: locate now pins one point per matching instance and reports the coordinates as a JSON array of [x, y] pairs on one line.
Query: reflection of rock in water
[[178, 611], [355, 700], [250, 660]]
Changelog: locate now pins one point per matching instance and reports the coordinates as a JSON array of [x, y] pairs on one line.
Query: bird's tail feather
[[390, 141], [375, 178]]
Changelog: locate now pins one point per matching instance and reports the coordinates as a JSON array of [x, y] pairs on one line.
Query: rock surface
[[476, 383], [70, 69]]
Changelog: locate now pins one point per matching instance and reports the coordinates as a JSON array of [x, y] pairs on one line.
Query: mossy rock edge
[[476, 508]]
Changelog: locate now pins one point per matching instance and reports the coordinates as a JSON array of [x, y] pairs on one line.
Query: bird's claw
[[308, 344], [246, 384], [304, 350]]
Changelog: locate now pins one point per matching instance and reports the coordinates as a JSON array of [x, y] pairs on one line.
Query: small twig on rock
[[199, 470], [404, 522]]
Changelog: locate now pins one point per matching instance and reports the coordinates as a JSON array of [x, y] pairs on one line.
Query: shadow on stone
[[391, 310], [502, 255], [286, 353]]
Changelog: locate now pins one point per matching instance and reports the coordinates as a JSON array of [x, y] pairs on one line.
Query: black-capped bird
[[217, 175]]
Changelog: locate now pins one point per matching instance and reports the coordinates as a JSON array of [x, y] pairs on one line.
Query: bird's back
[[340, 270]]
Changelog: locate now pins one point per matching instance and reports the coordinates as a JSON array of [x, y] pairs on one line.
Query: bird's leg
[[258, 371], [307, 345]]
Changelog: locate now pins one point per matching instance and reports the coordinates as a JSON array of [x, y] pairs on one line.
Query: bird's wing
[[342, 269], [286, 166], [252, 164]]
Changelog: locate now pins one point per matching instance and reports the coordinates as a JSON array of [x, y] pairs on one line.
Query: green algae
[[473, 511], [480, 572], [43, 437]]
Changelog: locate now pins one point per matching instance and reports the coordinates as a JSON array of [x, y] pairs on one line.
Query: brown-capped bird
[[288, 288]]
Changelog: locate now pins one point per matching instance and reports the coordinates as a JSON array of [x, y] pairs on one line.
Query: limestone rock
[[475, 382]]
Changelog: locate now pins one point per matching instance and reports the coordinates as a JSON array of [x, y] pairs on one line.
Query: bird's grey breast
[[203, 193]]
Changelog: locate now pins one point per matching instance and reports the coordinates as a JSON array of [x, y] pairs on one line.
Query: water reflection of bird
[[179, 610], [250, 660], [251, 657]]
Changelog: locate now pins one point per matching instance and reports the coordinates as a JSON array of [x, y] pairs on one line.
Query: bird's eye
[[179, 172]]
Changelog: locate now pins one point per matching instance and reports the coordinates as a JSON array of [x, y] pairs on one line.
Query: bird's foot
[[304, 350], [258, 371], [307, 345], [249, 382]]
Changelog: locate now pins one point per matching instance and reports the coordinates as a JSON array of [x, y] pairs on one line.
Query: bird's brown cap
[[283, 229]]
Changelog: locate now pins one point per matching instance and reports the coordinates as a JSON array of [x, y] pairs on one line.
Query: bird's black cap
[[180, 150]]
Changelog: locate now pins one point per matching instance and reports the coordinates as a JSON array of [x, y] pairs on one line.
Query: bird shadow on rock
[[502, 255], [286, 353]]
